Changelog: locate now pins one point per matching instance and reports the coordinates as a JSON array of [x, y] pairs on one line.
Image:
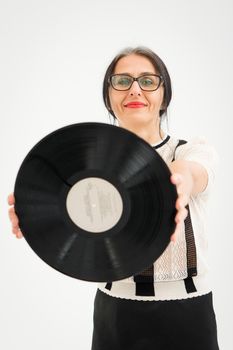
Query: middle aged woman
[[169, 305]]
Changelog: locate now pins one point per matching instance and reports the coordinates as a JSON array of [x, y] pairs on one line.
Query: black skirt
[[186, 324]]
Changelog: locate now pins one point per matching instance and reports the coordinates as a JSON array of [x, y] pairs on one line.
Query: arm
[[190, 179]]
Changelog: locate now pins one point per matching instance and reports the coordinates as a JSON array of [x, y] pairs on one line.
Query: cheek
[[116, 100], [157, 100]]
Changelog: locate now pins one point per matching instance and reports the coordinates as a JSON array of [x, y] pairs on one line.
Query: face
[[146, 111]]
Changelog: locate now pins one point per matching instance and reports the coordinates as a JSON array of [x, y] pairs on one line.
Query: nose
[[135, 89]]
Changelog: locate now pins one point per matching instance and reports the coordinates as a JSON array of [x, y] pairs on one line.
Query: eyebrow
[[143, 73]]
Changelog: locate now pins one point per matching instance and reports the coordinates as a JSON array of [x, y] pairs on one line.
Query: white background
[[52, 61]]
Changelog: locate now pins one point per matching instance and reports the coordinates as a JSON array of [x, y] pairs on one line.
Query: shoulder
[[197, 147]]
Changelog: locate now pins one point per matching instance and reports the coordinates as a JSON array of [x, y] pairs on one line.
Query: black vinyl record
[[95, 202]]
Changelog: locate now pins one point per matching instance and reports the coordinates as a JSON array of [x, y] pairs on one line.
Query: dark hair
[[159, 67]]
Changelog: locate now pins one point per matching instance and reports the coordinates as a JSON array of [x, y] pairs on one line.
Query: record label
[[94, 204]]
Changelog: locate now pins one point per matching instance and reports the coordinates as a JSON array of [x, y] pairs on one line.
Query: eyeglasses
[[123, 82]]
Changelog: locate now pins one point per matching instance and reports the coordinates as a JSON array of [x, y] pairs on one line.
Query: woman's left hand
[[183, 198], [190, 179], [182, 177]]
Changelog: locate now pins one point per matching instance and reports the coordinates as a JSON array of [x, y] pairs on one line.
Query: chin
[[140, 118]]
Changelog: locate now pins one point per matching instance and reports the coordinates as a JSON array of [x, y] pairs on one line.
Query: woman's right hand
[[13, 217]]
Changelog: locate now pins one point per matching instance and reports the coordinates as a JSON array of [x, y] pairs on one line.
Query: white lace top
[[171, 266]]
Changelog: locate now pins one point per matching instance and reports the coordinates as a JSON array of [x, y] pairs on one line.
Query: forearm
[[195, 176]]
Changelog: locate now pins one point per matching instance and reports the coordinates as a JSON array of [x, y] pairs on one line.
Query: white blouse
[[171, 267]]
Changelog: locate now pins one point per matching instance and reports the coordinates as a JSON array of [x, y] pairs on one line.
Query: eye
[[123, 81], [147, 81]]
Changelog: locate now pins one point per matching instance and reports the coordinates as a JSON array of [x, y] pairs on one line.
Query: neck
[[149, 133]]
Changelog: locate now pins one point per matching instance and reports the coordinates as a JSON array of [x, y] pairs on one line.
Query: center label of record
[[94, 204]]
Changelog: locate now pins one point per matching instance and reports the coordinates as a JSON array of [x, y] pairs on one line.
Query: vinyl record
[[95, 202]]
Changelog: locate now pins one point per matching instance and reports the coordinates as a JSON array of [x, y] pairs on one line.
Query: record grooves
[[95, 202]]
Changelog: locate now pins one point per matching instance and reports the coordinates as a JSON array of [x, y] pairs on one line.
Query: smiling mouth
[[135, 105]]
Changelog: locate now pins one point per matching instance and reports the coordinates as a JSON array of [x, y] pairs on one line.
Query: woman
[[169, 305]]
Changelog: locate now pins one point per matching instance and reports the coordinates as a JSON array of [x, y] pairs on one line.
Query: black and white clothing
[[178, 279]]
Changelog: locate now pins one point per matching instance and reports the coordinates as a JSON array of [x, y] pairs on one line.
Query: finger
[[176, 232], [181, 215], [19, 234], [173, 237], [176, 178], [182, 201], [15, 224], [15, 230], [11, 199], [14, 220], [12, 215]]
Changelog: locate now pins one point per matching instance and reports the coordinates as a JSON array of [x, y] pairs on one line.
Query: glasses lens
[[149, 82], [121, 82]]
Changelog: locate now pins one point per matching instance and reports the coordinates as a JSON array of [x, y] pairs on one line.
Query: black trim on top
[[162, 143], [145, 289], [144, 282], [109, 286], [180, 142], [189, 285]]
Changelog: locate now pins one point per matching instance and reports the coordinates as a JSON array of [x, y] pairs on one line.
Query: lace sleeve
[[199, 150]]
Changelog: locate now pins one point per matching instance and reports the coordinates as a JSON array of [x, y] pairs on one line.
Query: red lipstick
[[135, 104]]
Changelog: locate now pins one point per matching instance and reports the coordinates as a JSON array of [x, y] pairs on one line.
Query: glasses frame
[[137, 80]]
